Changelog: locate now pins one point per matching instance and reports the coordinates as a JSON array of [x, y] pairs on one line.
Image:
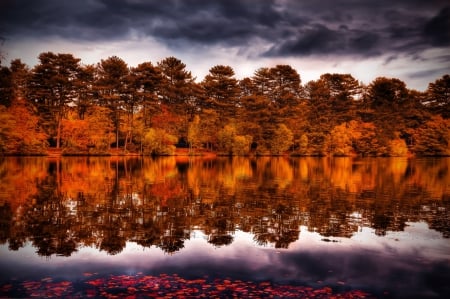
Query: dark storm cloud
[[319, 39], [438, 28], [286, 27]]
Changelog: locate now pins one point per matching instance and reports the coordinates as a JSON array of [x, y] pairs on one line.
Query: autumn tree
[[386, 96], [242, 144], [226, 138], [194, 134], [230, 142], [20, 132], [147, 80], [433, 138], [281, 140], [159, 142], [208, 127], [286, 98], [398, 147], [246, 87], [319, 117], [342, 89], [6, 88], [387, 92], [85, 89], [438, 96], [7, 124], [176, 89], [303, 145], [112, 88], [366, 140], [262, 81], [91, 135], [221, 91], [256, 121], [20, 75], [52, 88], [280, 88], [285, 86], [340, 139]]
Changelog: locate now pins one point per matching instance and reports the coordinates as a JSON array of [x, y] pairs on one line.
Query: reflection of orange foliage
[[85, 175], [345, 173], [431, 174], [141, 199], [202, 181], [167, 190], [18, 177], [160, 169], [232, 175], [282, 171], [398, 168], [207, 178]]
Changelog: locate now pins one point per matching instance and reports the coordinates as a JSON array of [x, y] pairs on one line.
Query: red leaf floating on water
[[96, 282], [90, 293]]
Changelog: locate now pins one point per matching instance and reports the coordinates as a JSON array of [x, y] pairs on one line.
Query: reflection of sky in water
[[415, 261]]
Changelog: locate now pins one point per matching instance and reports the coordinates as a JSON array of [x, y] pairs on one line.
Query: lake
[[271, 227]]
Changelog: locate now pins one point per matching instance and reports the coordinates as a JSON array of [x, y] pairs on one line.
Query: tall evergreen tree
[[438, 96], [342, 90], [147, 81], [176, 90], [221, 91], [112, 88], [52, 88]]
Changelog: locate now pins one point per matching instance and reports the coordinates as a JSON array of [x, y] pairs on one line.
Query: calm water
[[377, 225]]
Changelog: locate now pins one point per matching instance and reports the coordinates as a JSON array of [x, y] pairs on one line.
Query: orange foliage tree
[[19, 130]]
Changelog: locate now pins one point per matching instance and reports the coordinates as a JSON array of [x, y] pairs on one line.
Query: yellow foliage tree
[[398, 148], [282, 139], [159, 142], [339, 141], [194, 135]]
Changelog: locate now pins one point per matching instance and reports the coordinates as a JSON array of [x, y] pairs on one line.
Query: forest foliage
[[151, 109]]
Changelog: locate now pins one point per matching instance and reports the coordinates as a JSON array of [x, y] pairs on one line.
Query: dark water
[[377, 225]]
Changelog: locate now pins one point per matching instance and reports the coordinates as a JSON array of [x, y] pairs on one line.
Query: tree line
[[152, 109]]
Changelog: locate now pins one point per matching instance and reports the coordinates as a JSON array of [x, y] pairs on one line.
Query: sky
[[404, 39]]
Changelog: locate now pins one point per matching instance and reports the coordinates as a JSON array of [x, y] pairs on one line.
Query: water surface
[[380, 225]]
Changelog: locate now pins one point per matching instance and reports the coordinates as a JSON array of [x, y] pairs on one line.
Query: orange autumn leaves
[[111, 107], [19, 130]]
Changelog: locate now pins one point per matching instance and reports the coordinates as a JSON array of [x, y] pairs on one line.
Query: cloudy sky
[[405, 39]]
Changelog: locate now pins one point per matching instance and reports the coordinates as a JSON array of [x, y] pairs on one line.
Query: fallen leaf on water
[[170, 286]]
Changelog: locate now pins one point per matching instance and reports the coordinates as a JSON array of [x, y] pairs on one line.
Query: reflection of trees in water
[[280, 228], [220, 229], [5, 222], [150, 202], [220, 240]]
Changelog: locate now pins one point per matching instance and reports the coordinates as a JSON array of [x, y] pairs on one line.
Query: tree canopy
[[155, 107]]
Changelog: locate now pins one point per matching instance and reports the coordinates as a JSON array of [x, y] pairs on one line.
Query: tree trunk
[[58, 132]]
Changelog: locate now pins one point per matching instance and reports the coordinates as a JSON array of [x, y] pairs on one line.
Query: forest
[[65, 107]]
